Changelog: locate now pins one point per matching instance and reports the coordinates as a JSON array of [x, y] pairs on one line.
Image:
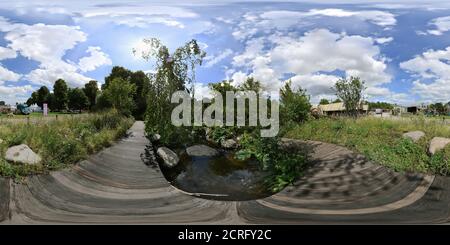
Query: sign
[[45, 109]]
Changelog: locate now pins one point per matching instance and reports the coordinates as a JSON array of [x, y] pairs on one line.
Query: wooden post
[[28, 120]]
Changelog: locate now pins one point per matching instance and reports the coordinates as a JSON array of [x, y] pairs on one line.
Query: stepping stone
[[201, 151], [22, 154], [414, 135], [438, 143], [170, 158]]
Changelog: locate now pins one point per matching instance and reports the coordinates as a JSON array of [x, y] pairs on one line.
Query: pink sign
[[45, 109]]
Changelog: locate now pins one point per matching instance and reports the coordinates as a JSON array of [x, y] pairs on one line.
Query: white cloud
[[384, 40], [432, 65], [95, 59], [12, 94], [441, 24], [7, 75], [47, 44], [7, 53], [212, 60], [202, 91], [381, 18], [312, 58]]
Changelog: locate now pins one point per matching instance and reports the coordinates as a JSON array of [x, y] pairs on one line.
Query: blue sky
[[400, 48]]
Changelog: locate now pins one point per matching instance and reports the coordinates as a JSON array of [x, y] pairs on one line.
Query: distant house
[[336, 109], [416, 109], [35, 108]]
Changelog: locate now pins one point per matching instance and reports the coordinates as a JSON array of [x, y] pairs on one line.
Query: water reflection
[[221, 177]]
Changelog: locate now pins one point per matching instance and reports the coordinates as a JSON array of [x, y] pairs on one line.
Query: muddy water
[[221, 177]]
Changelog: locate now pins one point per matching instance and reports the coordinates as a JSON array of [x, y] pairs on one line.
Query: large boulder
[[228, 144], [201, 151], [22, 154], [414, 135], [170, 158], [438, 143]]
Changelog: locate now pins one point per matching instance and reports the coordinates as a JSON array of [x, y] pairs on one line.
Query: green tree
[[350, 91], [77, 99], [337, 100], [324, 102], [140, 80], [91, 90], [119, 94], [42, 96], [60, 91], [174, 72], [33, 99], [294, 104]]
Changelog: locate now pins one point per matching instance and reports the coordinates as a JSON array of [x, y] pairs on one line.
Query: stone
[[170, 158], [22, 154], [438, 143], [414, 135], [155, 138], [201, 151], [228, 144], [1, 141]]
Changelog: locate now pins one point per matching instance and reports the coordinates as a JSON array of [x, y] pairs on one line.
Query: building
[[35, 108], [336, 109]]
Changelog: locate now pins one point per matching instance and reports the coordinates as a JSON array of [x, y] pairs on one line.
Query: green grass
[[381, 140], [62, 142]]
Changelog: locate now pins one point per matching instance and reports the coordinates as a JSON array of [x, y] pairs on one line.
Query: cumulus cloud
[[12, 94], [7, 75], [95, 59], [441, 24], [434, 66], [49, 44], [7, 53], [314, 59]]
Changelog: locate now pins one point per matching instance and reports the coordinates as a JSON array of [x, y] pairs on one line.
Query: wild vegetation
[[61, 142], [381, 140]]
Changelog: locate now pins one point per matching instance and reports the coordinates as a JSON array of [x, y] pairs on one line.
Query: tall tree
[[77, 99], [91, 90], [120, 94], [42, 96], [175, 71], [142, 83], [350, 91], [117, 72], [60, 91], [33, 99]]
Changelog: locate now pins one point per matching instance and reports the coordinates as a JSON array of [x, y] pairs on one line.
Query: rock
[[169, 157], [414, 135], [1, 141], [155, 138], [228, 144], [438, 143], [22, 154], [201, 151]]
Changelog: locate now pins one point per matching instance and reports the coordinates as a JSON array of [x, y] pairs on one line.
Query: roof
[[338, 107]]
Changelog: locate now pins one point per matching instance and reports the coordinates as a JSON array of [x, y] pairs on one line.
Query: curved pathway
[[115, 186]]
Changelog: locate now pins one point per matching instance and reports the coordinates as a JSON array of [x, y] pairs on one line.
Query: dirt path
[[114, 186]]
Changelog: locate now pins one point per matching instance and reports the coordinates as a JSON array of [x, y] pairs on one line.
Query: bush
[[285, 166], [294, 105]]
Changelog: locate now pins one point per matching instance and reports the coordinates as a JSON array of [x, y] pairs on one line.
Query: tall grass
[[61, 142], [381, 140]]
